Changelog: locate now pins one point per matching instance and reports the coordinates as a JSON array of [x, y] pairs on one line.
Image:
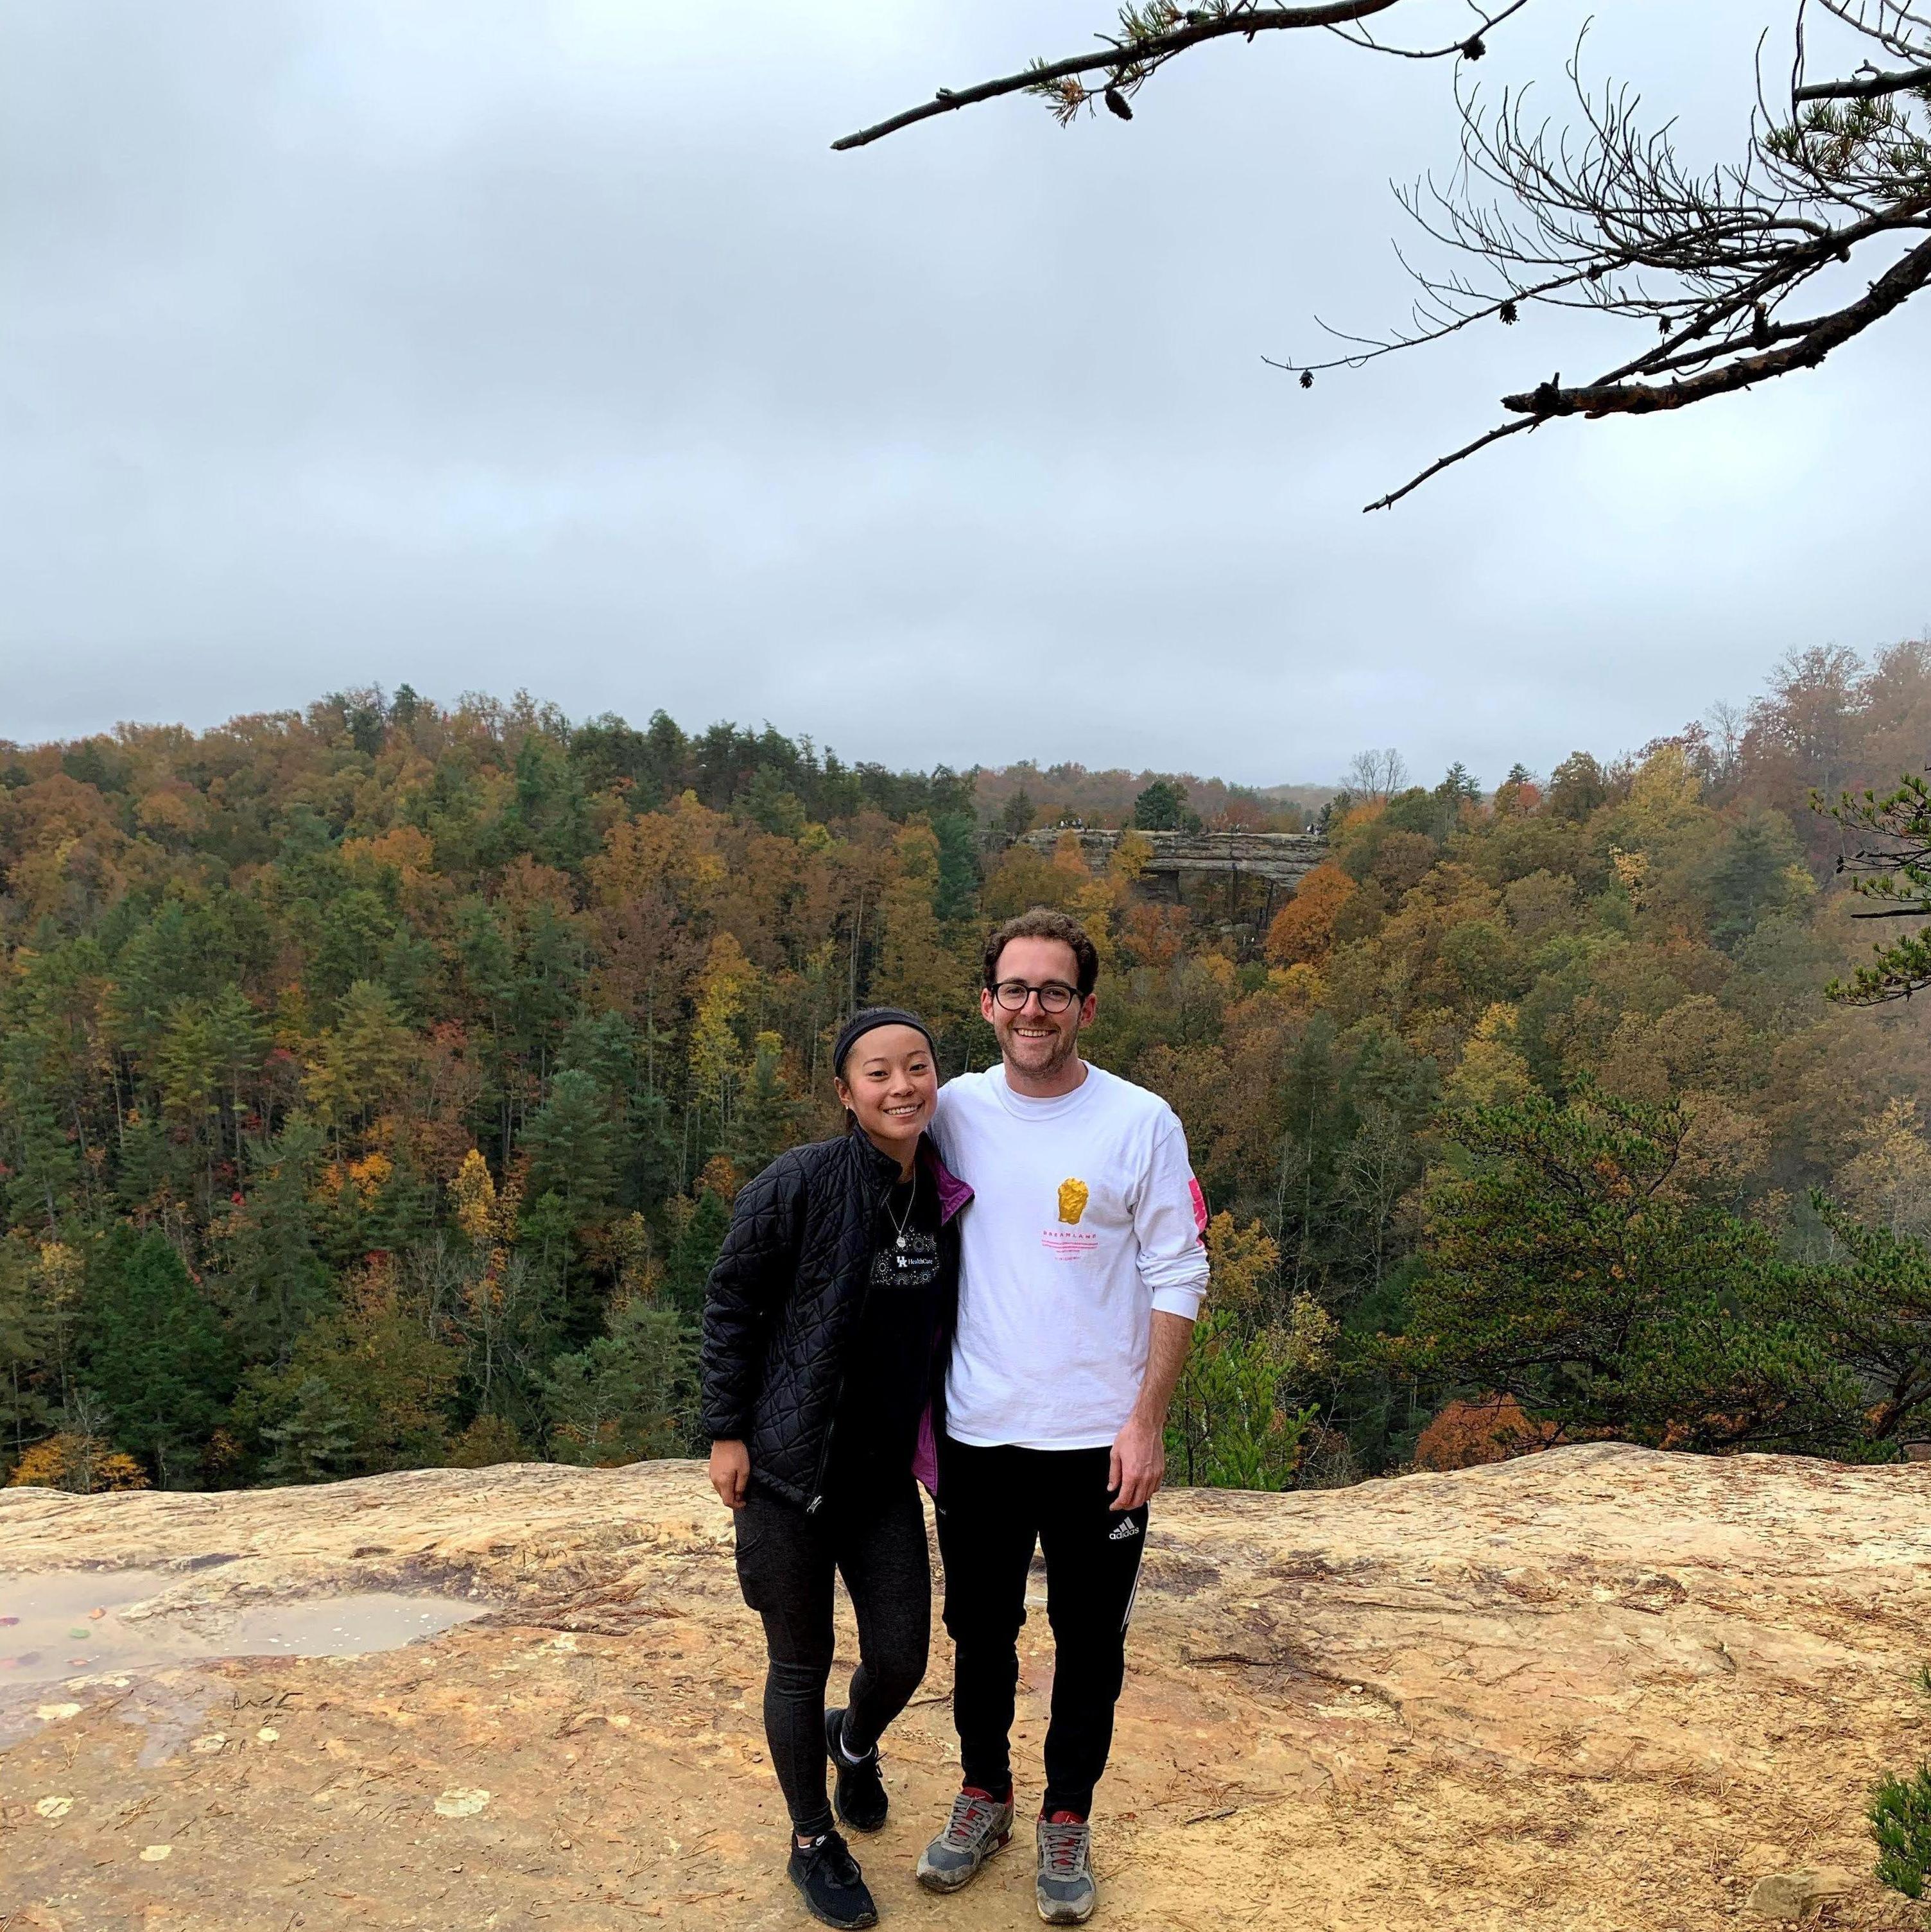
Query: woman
[[825, 1325]]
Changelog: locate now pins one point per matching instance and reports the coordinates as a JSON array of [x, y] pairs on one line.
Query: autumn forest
[[375, 1081]]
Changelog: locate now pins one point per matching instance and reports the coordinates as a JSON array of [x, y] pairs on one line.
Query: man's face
[[1033, 1041]]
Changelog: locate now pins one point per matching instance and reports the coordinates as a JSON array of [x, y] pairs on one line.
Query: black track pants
[[785, 1561], [994, 1504]]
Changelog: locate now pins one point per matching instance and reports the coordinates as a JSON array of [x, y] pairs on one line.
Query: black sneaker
[[828, 1877], [860, 1794]]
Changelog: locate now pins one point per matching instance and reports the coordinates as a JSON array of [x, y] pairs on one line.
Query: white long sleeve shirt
[[1086, 1218]]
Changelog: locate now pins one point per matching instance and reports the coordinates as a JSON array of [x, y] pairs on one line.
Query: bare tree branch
[[1470, 46], [1812, 341], [1448, 462], [1602, 214], [1136, 51]]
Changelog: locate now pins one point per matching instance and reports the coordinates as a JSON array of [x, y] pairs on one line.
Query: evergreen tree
[[697, 1229], [360, 1063], [621, 1397], [1900, 1821], [272, 1281], [43, 1162], [314, 1441], [1758, 871], [28, 1389], [770, 804], [1873, 1311], [768, 1114], [352, 937], [1233, 1424], [572, 1147], [1562, 1267], [1161, 807], [154, 1353], [955, 890], [237, 1040]]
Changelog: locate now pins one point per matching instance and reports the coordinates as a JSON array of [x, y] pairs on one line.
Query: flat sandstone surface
[[1600, 1688]]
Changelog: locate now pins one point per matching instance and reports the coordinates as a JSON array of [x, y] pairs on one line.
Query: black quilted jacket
[[783, 1303]]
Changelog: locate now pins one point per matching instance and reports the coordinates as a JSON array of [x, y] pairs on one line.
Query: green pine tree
[[315, 1440], [621, 1397], [697, 1229], [1161, 807], [1562, 1266], [573, 1147], [154, 1352]]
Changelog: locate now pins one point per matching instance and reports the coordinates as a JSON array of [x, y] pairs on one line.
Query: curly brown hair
[[1043, 922]]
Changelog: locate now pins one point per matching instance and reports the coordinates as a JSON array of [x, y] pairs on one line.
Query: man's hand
[[1140, 1449], [1139, 1462], [730, 1471]]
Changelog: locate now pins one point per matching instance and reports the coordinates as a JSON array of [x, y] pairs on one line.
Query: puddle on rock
[[61, 1624]]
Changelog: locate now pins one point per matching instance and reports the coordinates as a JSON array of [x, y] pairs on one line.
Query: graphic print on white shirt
[[1086, 1218]]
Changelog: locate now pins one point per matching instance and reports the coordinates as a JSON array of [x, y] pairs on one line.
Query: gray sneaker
[[1064, 1885], [979, 1826]]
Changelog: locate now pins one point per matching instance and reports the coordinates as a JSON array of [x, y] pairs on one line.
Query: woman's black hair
[[864, 1022]]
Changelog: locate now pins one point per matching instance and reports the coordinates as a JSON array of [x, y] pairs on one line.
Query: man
[[1081, 1272]]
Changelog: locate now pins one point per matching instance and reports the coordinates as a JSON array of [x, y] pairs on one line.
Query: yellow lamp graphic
[[1072, 1201]]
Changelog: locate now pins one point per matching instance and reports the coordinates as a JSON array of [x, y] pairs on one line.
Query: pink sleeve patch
[[1199, 1205]]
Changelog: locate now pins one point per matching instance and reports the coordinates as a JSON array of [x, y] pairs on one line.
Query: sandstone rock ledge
[[1601, 1687]]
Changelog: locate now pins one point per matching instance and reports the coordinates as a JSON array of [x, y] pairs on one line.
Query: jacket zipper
[[825, 1454]]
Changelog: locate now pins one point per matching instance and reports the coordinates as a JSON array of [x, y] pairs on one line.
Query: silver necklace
[[898, 1223]]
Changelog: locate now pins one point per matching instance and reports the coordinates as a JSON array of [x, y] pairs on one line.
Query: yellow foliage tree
[[1023, 877], [475, 1195], [1491, 1072], [1300, 988], [717, 1057], [1889, 1183], [1242, 1262], [62, 1269], [916, 969], [362, 1062], [675, 852], [83, 1464]]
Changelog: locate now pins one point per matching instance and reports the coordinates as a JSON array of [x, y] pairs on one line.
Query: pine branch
[[1124, 53], [1865, 86]]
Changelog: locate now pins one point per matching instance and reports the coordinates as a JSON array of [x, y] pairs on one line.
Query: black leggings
[[785, 1561]]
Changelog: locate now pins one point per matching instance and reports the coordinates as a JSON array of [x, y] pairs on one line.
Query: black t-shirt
[[889, 1373]]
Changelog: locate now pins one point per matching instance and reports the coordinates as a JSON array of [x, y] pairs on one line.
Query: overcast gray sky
[[489, 345]]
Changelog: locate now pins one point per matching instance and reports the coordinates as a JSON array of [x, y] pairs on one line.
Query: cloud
[[484, 346]]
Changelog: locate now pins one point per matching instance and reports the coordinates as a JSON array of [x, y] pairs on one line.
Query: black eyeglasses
[[1012, 994]]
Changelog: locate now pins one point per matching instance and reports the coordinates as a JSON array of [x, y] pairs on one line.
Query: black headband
[[862, 1023]]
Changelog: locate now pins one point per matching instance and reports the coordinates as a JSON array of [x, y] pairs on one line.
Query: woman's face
[[891, 1084]]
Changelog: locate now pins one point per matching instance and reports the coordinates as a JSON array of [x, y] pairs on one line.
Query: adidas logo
[[1128, 1529]]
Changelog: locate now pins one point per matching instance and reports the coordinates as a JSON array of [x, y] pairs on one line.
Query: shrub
[[83, 1464], [1900, 1816], [1491, 1429]]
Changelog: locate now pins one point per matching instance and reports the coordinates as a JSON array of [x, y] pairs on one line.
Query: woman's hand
[[730, 1471]]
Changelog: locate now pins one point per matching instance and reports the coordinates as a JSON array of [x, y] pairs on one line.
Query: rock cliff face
[[1600, 1687], [1211, 869]]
